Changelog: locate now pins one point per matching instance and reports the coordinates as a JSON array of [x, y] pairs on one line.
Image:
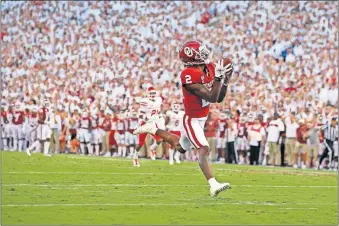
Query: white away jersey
[[149, 108], [175, 120]]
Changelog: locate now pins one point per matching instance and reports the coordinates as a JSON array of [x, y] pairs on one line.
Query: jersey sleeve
[[190, 76]]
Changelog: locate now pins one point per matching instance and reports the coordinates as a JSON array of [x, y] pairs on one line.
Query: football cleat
[[28, 152], [177, 157], [47, 155], [136, 163], [171, 162], [153, 155], [216, 189]]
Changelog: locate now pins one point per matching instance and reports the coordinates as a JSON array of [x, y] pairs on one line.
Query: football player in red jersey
[[18, 136], [202, 83]]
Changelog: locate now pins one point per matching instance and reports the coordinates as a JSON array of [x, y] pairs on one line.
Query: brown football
[[226, 61]]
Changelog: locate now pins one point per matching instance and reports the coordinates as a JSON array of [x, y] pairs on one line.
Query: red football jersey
[[18, 117], [195, 106]]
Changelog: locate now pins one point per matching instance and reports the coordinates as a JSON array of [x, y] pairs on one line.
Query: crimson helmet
[[151, 93], [194, 53]]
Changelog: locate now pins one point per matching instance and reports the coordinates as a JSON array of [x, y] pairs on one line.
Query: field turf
[[69, 189]]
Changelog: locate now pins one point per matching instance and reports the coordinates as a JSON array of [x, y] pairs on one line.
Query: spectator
[[256, 137], [275, 127]]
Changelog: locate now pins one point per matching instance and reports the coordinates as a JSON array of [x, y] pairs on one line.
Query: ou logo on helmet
[[188, 51]]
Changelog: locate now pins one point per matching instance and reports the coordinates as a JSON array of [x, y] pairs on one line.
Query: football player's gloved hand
[[220, 71], [229, 72]]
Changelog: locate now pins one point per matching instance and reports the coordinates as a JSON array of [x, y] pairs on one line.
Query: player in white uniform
[[32, 123], [132, 123], [149, 107], [18, 132], [84, 134], [96, 133], [173, 122], [9, 129], [119, 135], [44, 131]]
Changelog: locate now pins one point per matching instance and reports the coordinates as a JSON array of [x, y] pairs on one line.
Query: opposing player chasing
[[173, 123], [202, 83], [149, 107]]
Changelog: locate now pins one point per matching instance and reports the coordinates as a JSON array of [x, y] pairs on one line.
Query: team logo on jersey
[[188, 51]]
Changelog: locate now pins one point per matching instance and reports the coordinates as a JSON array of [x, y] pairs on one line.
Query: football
[[226, 61]]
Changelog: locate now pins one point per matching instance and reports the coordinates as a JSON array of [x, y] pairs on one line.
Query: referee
[[330, 134]]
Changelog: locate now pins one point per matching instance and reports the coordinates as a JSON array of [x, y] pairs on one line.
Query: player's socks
[[131, 150], [21, 145], [170, 156], [82, 148], [124, 150], [96, 147], [46, 148], [177, 157], [119, 150], [5, 143], [212, 182], [90, 149], [15, 144]]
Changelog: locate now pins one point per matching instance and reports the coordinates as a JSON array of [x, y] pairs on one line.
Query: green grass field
[[68, 189]]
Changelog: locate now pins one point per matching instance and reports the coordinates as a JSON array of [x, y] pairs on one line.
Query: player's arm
[[202, 92]]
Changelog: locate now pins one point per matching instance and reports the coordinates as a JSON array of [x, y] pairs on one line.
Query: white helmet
[[151, 93]]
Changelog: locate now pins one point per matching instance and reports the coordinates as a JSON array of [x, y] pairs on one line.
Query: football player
[[18, 121], [120, 135], [96, 133], [221, 141], [44, 132], [84, 135], [149, 107], [132, 125], [4, 122], [173, 123], [9, 129], [203, 83], [32, 121], [242, 143]]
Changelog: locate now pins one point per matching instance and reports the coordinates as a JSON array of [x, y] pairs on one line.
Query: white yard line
[[163, 185], [279, 171], [102, 173], [298, 208], [171, 204]]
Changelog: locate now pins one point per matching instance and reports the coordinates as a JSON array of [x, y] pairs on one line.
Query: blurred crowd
[[102, 55]]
